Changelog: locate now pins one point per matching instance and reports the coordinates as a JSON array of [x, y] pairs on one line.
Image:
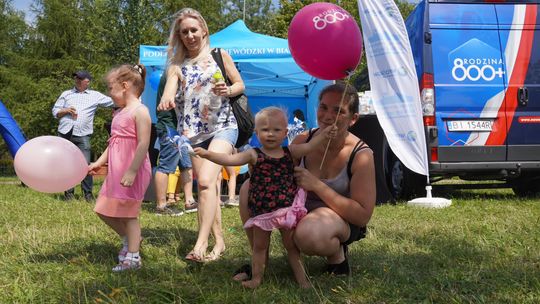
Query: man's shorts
[[169, 158]]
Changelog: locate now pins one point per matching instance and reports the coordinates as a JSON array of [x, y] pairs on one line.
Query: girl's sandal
[[170, 199], [123, 252]]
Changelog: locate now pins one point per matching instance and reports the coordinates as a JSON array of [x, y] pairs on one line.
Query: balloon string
[[335, 122]]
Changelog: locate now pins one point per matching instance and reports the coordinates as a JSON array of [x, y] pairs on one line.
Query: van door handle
[[523, 96]]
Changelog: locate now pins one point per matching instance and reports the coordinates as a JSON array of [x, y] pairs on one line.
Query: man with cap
[[75, 109]]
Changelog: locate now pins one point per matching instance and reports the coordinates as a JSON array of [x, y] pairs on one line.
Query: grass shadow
[[95, 252]]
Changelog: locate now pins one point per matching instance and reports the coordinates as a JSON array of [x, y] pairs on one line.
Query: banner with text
[[393, 80]]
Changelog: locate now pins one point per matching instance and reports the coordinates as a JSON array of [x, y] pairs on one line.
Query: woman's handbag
[[240, 106]]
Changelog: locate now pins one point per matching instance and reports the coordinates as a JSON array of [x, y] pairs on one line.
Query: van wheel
[[527, 186], [403, 183]]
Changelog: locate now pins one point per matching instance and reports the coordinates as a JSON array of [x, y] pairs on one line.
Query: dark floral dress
[[271, 185]]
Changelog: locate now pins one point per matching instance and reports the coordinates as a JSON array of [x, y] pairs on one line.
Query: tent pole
[[244, 12]]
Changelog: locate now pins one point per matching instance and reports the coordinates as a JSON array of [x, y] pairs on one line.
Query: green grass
[[485, 248]]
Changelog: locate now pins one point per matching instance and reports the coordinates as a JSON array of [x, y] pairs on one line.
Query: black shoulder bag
[[240, 106]]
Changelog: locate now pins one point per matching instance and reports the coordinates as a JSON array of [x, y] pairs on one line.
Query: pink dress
[[115, 200]]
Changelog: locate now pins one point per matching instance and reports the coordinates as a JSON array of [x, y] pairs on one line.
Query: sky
[[24, 5]]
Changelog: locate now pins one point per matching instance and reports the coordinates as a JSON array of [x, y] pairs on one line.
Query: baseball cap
[[82, 75]]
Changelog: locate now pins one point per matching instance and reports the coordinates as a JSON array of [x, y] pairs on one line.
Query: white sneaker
[[232, 202]]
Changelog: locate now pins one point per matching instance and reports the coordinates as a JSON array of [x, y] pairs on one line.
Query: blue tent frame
[[270, 75]]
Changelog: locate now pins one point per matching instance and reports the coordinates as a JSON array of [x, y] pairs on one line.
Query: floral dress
[[275, 201], [200, 112]]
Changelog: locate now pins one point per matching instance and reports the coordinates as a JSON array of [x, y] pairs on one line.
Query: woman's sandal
[[243, 273], [213, 256], [193, 257], [341, 268]]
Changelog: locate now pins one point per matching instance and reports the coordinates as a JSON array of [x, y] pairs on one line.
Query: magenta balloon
[[325, 41], [50, 164]]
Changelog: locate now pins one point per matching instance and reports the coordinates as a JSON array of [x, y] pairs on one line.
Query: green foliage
[[37, 60]]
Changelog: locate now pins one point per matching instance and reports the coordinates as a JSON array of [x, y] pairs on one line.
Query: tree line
[[38, 58]]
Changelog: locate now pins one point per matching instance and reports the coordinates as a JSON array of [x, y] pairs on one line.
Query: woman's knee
[[204, 183], [306, 239]]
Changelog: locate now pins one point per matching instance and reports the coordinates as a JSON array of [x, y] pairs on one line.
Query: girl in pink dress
[[129, 171], [275, 201]]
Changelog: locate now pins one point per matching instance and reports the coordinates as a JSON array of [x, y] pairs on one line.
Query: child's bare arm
[[143, 124], [102, 160], [246, 157], [299, 150]]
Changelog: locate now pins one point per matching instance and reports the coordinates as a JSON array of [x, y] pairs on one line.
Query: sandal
[[245, 270], [123, 252], [213, 256], [128, 264], [171, 199], [193, 257]]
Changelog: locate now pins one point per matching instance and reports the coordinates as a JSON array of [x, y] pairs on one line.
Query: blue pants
[[83, 143]]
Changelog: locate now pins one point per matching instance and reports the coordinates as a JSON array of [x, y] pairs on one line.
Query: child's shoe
[[191, 206], [128, 263], [122, 255]]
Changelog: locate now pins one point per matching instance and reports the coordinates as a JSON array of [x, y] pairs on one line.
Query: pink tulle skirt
[[283, 218]]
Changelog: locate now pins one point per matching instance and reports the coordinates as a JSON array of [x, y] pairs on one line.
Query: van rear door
[[520, 42], [469, 81]]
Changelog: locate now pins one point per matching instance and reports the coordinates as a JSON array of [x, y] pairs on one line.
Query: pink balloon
[[50, 164], [325, 41]]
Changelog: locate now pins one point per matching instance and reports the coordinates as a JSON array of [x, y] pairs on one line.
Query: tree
[[257, 14]]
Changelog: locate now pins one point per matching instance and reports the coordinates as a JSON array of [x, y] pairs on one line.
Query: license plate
[[470, 125]]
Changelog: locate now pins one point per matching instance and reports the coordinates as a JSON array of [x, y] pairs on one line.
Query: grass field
[[485, 248]]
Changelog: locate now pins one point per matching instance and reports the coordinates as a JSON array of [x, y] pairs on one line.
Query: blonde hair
[[176, 50], [129, 73], [271, 111]]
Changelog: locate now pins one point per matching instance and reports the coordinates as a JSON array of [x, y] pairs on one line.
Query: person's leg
[[161, 179], [207, 173], [69, 194], [83, 142], [168, 160], [185, 164], [217, 231], [295, 260], [244, 210], [231, 186], [172, 185], [132, 259], [178, 187], [133, 229], [187, 184], [118, 226], [218, 187], [244, 272], [261, 242], [321, 233]]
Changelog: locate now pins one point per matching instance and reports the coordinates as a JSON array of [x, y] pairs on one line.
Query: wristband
[[230, 91]]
